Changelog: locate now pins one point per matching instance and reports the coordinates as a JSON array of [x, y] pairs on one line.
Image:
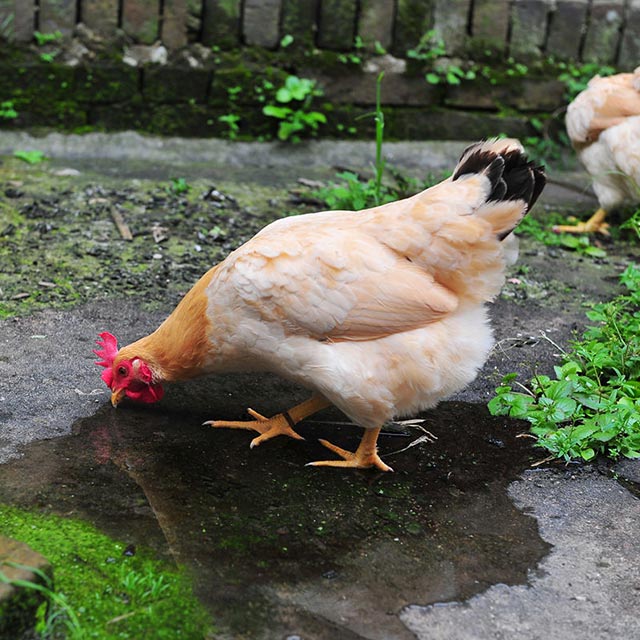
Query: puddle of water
[[277, 548]]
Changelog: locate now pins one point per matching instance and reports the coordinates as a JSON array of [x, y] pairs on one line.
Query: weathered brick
[[174, 24], [101, 16], [106, 83], [18, 605], [450, 23], [57, 15], [140, 20], [261, 23], [413, 19], [7, 16], [566, 28], [23, 20], [452, 124], [630, 46], [528, 27], [524, 94], [603, 31], [175, 84], [221, 23], [397, 89], [194, 20], [337, 24], [490, 23], [299, 20], [376, 22]]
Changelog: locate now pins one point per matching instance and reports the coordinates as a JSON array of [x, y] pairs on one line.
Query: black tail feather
[[511, 174]]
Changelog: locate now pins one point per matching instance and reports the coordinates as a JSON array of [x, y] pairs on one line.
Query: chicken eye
[[122, 371]]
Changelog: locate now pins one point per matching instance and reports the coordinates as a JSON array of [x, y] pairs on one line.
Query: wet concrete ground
[[464, 540]]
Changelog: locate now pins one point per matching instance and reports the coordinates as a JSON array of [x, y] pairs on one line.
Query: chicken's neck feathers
[[179, 348]]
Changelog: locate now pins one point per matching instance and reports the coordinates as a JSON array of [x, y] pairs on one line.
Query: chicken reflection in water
[[276, 549]]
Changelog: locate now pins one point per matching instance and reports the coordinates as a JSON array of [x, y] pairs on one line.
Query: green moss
[[114, 595]]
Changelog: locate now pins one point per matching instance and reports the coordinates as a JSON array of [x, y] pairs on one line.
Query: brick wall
[[605, 31], [184, 67]]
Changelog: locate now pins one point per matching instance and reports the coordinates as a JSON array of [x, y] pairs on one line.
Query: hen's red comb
[[108, 351]]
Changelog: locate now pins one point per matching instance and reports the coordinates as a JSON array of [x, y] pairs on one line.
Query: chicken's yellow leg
[[280, 424], [595, 224], [365, 456]]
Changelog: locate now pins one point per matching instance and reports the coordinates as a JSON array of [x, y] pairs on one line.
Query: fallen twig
[[123, 227]]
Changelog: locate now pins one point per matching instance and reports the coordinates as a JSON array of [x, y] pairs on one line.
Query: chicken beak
[[116, 396]]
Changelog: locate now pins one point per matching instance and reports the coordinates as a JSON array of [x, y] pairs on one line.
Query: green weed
[[431, 51], [576, 76], [7, 110], [231, 120], [47, 38], [179, 186], [592, 406], [30, 157], [542, 232], [296, 119]]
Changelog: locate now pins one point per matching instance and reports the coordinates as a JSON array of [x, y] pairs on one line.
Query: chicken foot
[[595, 224], [365, 456], [280, 424]]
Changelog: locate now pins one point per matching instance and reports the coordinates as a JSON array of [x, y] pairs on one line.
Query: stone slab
[[140, 20], [629, 57], [376, 23], [337, 24], [57, 15], [450, 23], [261, 23], [490, 23], [566, 29], [528, 27], [413, 19], [299, 19], [101, 16], [18, 605], [221, 23], [174, 24], [603, 31]]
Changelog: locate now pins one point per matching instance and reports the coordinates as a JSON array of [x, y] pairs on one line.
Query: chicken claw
[[595, 224], [268, 428], [366, 455], [280, 424]]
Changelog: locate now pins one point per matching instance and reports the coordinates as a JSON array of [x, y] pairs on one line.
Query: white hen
[[603, 123]]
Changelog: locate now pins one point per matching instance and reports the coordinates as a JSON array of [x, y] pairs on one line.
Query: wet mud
[[277, 549]]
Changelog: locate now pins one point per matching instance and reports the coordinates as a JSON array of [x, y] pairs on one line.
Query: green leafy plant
[[7, 110], [542, 232], [353, 57], [430, 48], [576, 77], [633, 223], [46, 38], [298, 118], [286, 40], [30, 157], [592, 406], [179, 186], [231, 120], [431, 51], [542, 147]]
